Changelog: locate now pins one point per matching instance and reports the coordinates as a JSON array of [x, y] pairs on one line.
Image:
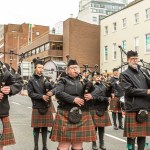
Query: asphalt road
[[20, 117]]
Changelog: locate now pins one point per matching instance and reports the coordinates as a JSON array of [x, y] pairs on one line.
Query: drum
[[52, 69]]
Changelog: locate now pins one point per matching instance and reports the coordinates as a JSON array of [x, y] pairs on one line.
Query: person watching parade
[[135, 83], [73, 124], [9, 86], [116, 93], [39, 90]]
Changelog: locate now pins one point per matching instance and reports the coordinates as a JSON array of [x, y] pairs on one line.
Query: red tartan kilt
[[115, 105], [64, 131], [100, 121], [39, 120], [8, 135], [134, 129]]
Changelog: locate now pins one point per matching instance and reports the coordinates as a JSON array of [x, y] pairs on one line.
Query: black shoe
[[102, 147], [94, 145], [115, 128], [44, 148], [121, 127], [36, 148]]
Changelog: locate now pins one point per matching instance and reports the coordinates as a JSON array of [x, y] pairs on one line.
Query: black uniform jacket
[[100, 99], [135, 86], [116, 87], [67, 90], [37, 87], [15, 87]]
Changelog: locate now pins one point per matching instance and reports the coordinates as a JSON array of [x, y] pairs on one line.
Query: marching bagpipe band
[[9, 76]]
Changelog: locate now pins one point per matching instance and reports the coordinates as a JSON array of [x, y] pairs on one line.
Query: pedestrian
[[73, 124], [9, 86], [116, 94], [39, 90], [99, 109], [134, 81]]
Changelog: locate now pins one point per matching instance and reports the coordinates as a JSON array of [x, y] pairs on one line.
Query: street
[[20, 117]]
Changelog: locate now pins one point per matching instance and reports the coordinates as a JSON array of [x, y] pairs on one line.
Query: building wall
[[17, 36], [128, 33], [81, 42]]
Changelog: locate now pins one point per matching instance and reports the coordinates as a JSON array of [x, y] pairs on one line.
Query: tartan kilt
[[64, 131], [115, 105], [39, 120], [8, 135], [134, 129], [100, 121]]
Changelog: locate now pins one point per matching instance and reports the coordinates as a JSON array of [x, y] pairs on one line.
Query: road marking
[[119, 139], [16, 103]]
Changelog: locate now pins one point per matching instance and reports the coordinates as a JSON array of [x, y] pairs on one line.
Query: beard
[[133, 65]]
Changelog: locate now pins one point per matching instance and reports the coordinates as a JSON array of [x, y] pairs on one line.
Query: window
[[136, 44], [148, 13], [94, 19], [106, 53], [124, 21], [47, 46], [148, 42], [136, 16], [106, 30], [123, 47], [33, 52], [114, 26], [42, 48], [114, 51]]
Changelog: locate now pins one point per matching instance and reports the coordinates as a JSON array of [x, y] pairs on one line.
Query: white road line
[[119, 139], [16, 103]]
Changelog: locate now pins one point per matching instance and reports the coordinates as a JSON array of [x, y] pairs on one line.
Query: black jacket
[[37, 87], [15, 87], [116, 87], [135, 86], [67, 90], [100, 99]]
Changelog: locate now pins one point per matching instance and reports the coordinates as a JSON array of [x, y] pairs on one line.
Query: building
[[128, 28], [92, 11], [81, 41], [13, 37]]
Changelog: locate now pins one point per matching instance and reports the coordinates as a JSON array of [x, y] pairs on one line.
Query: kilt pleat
[[64, 131], [8, 135], [115, 105], [134, 129], [39, 120], [100, 121]]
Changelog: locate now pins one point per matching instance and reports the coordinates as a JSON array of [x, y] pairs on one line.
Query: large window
[[136, 17], [148, 13], [124, 48], [148, 42], [136, 44], [114, 51], [105, 53]]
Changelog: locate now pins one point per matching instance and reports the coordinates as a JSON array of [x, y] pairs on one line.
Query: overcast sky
[[40, 12]]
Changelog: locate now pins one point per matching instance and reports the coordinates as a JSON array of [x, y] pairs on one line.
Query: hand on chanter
[[78, 101], [45, 97], [88, 96], [5, 90]]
